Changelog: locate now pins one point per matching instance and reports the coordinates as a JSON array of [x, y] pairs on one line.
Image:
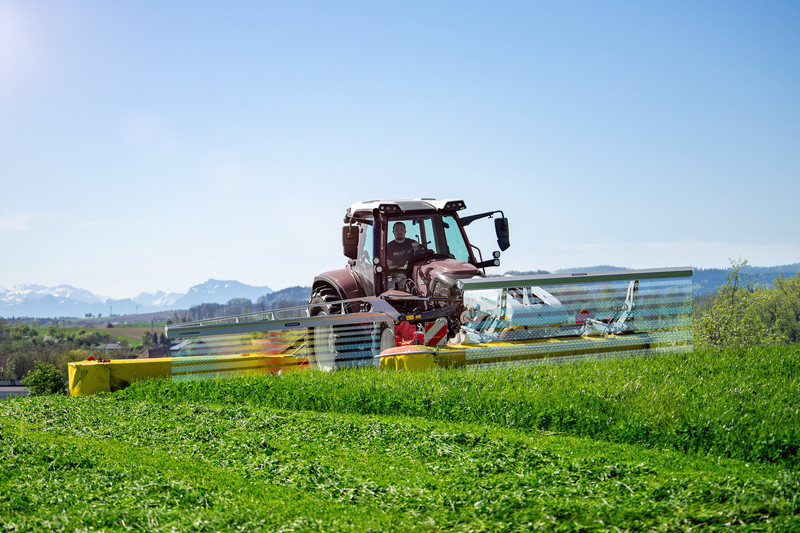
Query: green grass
[[517, 449], [42, 331], [127, 334], [741, 403]]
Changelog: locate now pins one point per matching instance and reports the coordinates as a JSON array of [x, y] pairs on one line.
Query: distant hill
[[67, 301], [704, 280], [597, 268], [217, 291], [291, 297]]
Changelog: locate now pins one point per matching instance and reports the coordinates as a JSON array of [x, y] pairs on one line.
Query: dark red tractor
[[412, 253]]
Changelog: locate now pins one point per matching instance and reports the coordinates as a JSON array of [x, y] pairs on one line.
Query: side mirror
[[501, 229], [350, 241]]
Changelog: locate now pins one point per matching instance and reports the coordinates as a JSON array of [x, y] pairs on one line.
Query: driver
[[400, 249]]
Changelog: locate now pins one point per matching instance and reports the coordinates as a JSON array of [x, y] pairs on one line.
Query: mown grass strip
[[738, 403], [58, 482], [113, 463]]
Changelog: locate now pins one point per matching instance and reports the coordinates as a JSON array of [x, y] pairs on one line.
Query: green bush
[[735, 317], [44, 379]]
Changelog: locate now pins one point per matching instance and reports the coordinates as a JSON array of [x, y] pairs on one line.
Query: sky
[[149, 145]]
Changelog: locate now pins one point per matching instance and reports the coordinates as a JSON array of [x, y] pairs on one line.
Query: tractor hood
[[443, 268]]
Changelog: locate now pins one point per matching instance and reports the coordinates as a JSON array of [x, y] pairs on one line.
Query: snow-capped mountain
[[21, 293], [66, 301], [159, 299], [220, 291]]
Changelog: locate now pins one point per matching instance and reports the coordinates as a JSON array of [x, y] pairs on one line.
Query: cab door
[[364, 261]]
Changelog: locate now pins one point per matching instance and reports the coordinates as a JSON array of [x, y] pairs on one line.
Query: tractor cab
[[412, 248]]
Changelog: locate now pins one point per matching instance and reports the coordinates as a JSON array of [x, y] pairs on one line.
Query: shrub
[[44, 379], [735, 317]]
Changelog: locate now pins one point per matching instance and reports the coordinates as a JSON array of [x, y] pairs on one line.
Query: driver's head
[[399, 231]]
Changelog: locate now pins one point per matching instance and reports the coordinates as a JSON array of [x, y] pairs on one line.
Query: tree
[[19, 363], [44, 379], [780, 306], [734, 318]]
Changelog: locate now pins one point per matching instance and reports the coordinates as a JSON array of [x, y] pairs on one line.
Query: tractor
[[412, 253]]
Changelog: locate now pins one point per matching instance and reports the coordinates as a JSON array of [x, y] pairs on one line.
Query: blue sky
[[152, 145]]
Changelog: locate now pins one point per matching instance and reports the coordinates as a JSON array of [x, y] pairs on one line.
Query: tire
[[387, 338], [322, 340]]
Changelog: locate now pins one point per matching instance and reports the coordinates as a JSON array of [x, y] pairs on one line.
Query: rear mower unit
[[504, 319]]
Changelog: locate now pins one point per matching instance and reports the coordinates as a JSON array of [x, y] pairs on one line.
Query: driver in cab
[[400, 249]]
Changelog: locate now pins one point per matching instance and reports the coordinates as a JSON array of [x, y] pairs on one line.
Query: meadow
[[703, 440], [130, 334]]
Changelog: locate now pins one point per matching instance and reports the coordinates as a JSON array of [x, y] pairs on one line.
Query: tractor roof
[[400, 207]]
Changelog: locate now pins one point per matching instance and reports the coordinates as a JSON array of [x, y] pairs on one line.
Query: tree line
[[291, 297], [21, 346]]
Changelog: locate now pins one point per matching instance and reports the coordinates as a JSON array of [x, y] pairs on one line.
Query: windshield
[[439, 234]]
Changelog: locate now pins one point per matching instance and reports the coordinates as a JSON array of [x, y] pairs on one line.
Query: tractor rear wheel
[[323, 340]]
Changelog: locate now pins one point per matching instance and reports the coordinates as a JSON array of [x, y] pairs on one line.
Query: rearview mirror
[[350, 241], [501, 229]]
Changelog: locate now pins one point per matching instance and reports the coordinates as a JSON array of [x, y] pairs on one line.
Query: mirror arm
[[466, 221]]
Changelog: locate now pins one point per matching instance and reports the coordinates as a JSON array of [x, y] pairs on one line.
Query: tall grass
[[738, 403]]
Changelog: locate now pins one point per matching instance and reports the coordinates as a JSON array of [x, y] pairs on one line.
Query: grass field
[[130, 334], [697, 441], [133, 335]]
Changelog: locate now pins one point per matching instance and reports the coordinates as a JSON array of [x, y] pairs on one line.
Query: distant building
[[112, 346], [154, 353], [12, 387]]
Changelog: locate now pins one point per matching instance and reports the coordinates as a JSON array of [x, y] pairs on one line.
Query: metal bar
[[578, 277], [381, 312]]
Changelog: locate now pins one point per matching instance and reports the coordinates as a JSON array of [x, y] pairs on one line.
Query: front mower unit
[[504, 320]]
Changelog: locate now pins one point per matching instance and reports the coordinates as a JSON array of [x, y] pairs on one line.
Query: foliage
[[218, 455], [18, 364], [733, 318], [780, 306], [290, 297], [44, 379], [24, 345], [155, 339], [64, 358], [746, 313]]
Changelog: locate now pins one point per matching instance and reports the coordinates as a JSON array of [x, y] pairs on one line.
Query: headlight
[[440, 290]]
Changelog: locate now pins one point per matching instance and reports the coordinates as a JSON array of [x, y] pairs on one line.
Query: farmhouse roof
[[111, 346], [153, 353]]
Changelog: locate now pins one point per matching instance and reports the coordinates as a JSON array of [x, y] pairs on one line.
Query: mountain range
[[68, 301]]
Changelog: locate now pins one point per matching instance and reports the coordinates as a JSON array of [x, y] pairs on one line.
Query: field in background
[[130, 333], [133, 335], [702, 440]]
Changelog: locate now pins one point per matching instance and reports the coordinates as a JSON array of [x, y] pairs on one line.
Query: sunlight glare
[[14, 37]]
